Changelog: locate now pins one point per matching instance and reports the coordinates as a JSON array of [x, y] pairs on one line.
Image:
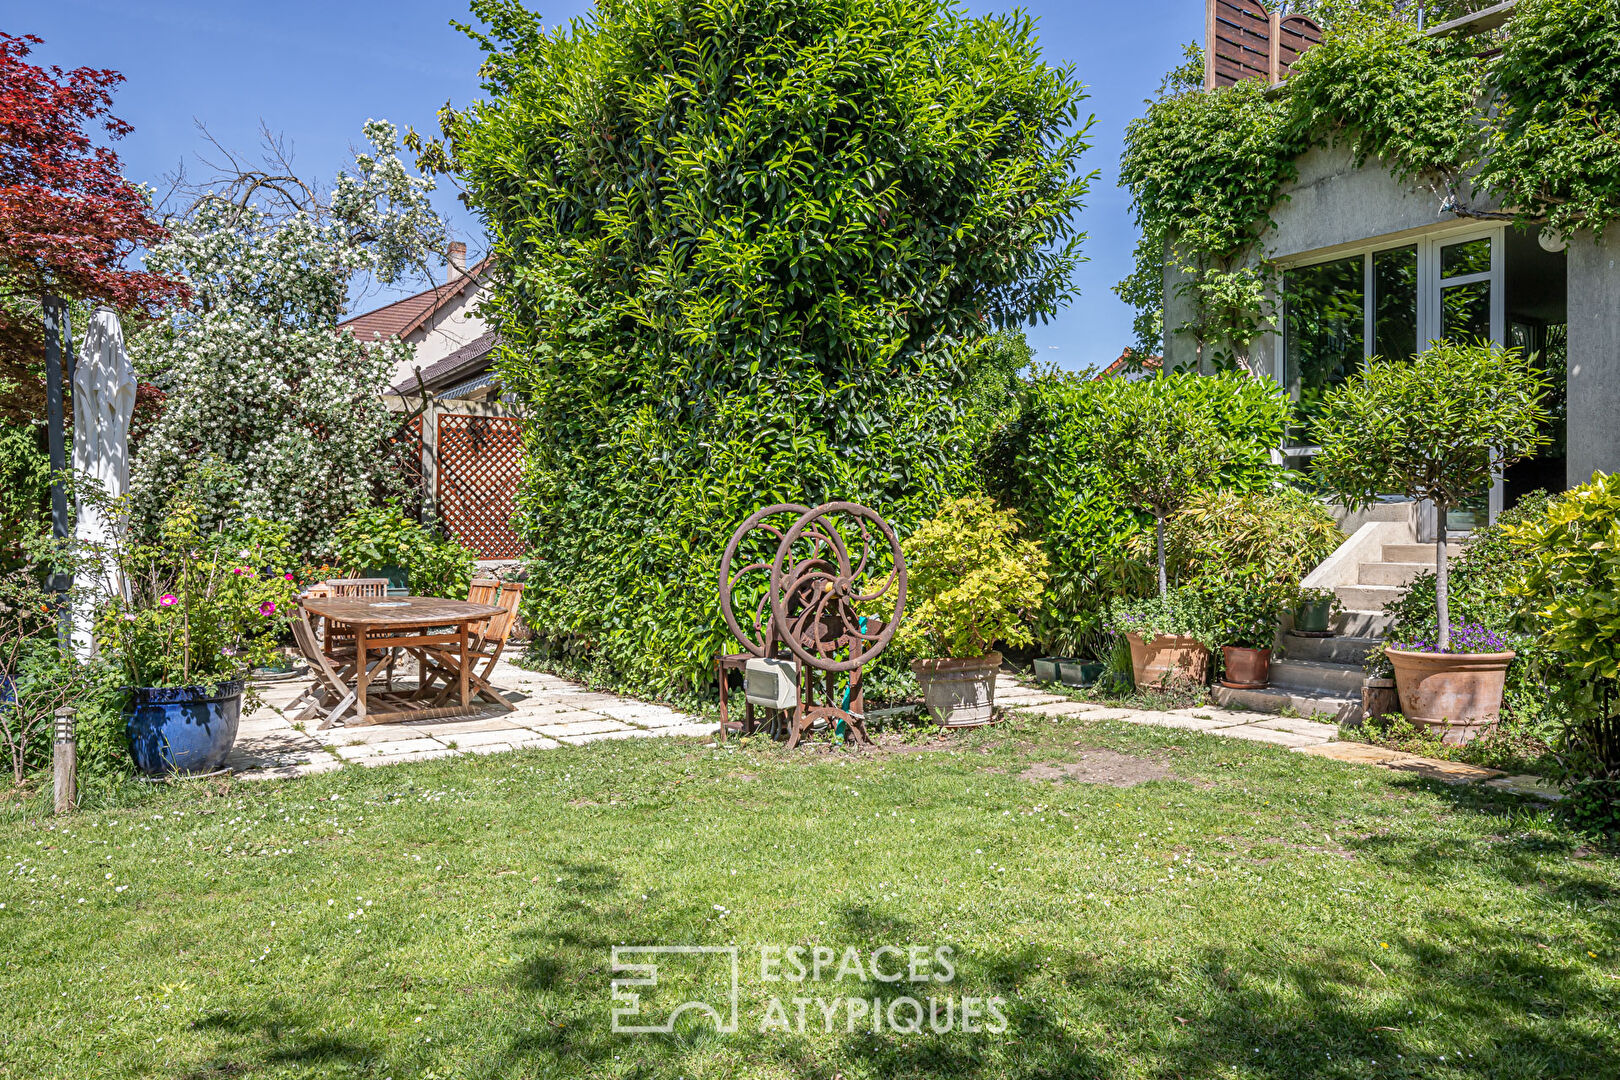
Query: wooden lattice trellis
[[480, 460], [406, 444]]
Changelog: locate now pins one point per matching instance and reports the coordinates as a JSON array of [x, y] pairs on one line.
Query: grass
[[1254, 913]]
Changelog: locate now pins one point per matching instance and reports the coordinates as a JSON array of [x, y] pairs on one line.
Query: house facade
[[460, 442], [441, 324], [1371, 265]]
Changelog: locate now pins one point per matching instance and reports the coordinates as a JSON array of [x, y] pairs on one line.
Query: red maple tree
[[68, 218]]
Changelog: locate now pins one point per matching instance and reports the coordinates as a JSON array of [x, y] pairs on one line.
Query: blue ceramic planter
[[183, 729]]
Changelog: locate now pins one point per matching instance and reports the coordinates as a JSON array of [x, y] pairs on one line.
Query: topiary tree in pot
[[1438, 428], [971, 583], [1166, 440]]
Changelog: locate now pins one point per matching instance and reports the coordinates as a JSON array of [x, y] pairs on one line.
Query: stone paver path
[[552, 711]]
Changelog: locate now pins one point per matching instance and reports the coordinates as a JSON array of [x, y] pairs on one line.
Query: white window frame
[[1431, 286]]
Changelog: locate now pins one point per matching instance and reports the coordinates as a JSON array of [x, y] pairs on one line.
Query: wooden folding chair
[[331, 683], [339, 637], [486, 640]]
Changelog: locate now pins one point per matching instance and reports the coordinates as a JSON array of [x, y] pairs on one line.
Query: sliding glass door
[[1386, 301]]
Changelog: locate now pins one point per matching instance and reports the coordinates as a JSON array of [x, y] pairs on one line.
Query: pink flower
[[241, 570], [168, 599], [289, 577], [129, 618], [267, 608]]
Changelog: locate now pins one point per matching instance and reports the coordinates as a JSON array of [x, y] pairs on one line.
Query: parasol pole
[[56, 340]]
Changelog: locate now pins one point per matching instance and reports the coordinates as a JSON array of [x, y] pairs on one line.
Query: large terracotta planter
[[1246, 669], [1458, 696], [959, 692], [1168, 659]]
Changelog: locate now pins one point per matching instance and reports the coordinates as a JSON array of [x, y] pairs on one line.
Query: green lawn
[[1258, 914]]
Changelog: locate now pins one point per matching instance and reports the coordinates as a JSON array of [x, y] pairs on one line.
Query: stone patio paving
[[552, 711]]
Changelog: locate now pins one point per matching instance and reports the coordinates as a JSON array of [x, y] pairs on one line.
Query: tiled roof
[[1147, 363], [459, 365], [401, 317]]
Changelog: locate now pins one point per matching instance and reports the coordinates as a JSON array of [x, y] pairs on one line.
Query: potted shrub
[[1455, 693], [1244, 612], [195, 616], [1161, 450], [1313, 612], [1438, 428], [1168, 636], [970, 584]]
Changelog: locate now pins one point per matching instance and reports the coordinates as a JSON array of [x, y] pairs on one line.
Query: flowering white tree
[[255, 376]]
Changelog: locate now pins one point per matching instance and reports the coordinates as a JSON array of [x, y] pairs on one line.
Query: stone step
[[1423, 553], [1341, 680], [1388, 511], [1349, 622], [1368, 597], [1392, 573], [1276, 699], [1332, 650]]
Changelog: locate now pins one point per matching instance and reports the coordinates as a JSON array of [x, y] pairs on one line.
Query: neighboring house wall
[[446, 330], [1594, 355]]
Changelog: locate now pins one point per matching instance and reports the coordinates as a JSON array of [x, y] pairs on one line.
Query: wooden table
[[382, 624]]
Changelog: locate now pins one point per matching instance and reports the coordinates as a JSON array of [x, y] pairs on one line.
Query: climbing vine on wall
[[1540, 123]]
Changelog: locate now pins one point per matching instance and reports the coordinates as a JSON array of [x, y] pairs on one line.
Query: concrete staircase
[[1321, 677]]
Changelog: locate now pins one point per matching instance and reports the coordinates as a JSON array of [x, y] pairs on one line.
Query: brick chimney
[[458, 263]]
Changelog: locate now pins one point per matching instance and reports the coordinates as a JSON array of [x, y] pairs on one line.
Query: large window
[[1339, 313], [1386, 301]]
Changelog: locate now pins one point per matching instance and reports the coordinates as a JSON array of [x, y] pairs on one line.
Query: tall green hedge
[[1045, 464], [750, 252]]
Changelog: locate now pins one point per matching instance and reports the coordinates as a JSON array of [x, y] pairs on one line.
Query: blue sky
[[314, 72]]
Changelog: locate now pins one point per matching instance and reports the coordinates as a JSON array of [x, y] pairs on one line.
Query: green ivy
[[1554, 148], [751, 252]]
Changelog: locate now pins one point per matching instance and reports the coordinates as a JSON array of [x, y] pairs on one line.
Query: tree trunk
[[1442, 580], [1158, 535]]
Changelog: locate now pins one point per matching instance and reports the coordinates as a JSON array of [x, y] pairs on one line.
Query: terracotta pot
[[1246, 669], [1168, 658], [1457, 696], [959, 692]]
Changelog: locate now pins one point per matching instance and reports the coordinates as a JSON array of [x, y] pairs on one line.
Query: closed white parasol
[[103, 399]]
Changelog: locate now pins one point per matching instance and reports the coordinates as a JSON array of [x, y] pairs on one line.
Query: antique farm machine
[[821, 592]]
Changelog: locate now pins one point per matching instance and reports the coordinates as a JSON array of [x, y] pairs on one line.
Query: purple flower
[[1465, 638], [267, 608]]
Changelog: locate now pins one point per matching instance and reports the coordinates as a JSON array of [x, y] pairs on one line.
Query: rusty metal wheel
[[838, 584], [753, 577]]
